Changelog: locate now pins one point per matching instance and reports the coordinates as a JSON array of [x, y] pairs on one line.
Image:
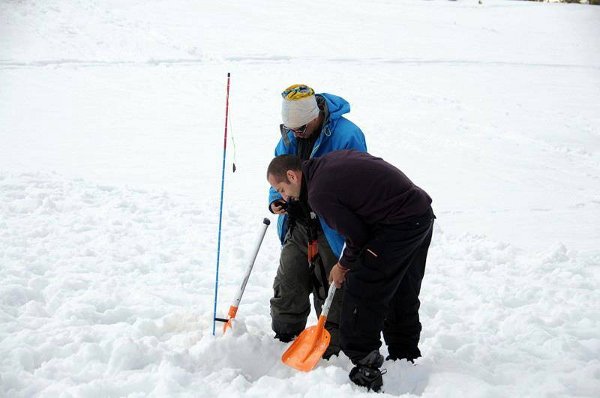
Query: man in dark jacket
[[387, 222]]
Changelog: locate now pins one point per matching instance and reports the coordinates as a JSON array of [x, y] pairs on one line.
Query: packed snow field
[[111, 139]]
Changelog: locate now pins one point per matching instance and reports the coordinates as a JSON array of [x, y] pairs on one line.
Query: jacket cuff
[[347, 264]]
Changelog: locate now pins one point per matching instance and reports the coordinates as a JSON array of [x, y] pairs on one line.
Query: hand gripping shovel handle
[[308, 348], [238, 297]]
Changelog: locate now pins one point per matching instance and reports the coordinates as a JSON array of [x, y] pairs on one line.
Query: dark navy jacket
[[355, 193]]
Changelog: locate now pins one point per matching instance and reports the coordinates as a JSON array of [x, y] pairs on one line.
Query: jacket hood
[[336, 106]]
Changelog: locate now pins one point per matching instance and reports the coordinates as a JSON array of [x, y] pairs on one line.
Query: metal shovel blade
[[308, 348]]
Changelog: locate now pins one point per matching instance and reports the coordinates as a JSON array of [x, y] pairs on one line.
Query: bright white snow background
[[111, 138]]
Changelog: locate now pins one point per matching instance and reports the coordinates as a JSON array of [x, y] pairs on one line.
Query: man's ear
[[291, 175]]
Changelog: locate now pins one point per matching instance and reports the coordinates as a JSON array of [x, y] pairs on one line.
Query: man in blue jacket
[[313, 126]]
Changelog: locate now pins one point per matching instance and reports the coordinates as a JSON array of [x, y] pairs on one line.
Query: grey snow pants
[[290, 305]]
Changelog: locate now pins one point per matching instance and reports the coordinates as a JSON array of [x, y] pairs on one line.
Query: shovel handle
[[238, 297], [328, 300], [240, 293]]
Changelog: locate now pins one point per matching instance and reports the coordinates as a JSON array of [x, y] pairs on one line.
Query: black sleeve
[[346, 223]]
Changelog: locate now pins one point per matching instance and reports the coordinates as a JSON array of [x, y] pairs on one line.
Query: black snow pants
[[382, 293]]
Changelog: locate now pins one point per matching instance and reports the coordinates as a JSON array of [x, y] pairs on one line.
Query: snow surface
[[111, 137]]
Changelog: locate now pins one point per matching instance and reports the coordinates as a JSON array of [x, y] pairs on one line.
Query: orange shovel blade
[[308, 348]]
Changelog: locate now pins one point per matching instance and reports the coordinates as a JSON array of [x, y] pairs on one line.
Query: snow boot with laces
[[366, 373]]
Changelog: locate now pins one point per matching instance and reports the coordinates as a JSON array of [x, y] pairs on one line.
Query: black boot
[[404, 353], [334, 343], [366, 373], [365, 376], [331, 351], [285, 337], [391, 358]]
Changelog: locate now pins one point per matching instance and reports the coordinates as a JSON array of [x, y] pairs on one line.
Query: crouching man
[[387, 223]]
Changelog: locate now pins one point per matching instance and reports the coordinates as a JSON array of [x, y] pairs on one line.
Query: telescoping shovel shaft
[[308, 348], [238, 297]]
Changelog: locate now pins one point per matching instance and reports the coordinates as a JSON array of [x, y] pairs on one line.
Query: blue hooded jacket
[[337, 133]]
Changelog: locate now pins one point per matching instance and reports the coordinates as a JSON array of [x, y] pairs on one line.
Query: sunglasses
[[299, 131]]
